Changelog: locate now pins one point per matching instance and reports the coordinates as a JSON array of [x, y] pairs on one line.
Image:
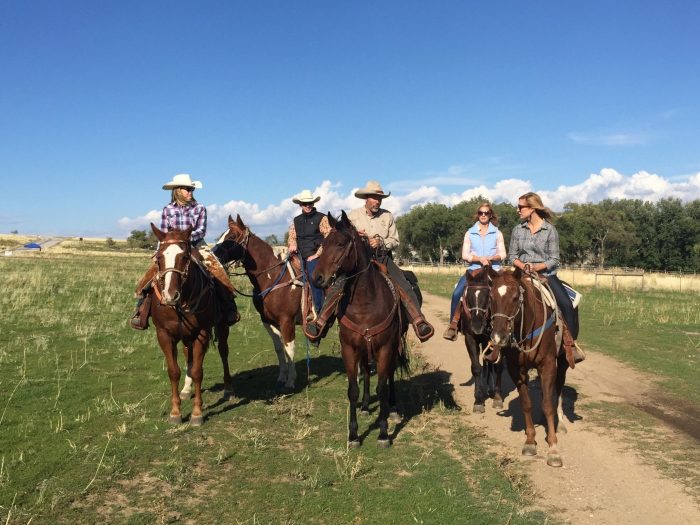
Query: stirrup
[[579, 354]]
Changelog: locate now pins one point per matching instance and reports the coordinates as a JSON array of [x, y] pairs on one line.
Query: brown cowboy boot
[[139, 321], [423, 329], [574, 354], [451, 332], [316, 329]]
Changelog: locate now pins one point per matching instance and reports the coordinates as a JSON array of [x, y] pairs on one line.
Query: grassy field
[[84, 404], [656, 331]]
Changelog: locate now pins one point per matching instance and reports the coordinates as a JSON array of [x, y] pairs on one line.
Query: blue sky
[[103, 102]]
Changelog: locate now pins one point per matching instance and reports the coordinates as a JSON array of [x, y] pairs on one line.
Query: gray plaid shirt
[[542, 246]]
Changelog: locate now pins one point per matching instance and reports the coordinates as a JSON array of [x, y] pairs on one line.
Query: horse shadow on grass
[[258, 384]]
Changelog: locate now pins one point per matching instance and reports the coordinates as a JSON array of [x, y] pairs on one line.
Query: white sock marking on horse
[[291, 369], [502, 290], [187, 388], [275, 335]]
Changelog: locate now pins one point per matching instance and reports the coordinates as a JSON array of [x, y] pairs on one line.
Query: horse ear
[[490, 273], [239, 221], [331, 220], [188, 232], [159, 234], [231, 222], [517, 273]]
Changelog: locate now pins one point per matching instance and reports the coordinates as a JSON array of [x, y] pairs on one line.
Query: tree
[[142, 239], [110, 243], [272, 240]]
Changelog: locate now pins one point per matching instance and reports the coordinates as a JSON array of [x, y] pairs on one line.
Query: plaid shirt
[[539, 247], [175, 217]]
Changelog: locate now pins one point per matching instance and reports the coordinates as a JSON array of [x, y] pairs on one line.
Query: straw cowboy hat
[[305, 197], [371, 189], [182, 180]]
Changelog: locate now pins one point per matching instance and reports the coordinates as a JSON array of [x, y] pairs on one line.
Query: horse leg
[[364, 364], [222, 331], [518, 373], [547, 372], [169, 347], [279, 350], [199, 348], [288, 332], [394, 415], [350, 359], [498, 392], [186, 392], [562, 367], [384, 371], [479, 388]]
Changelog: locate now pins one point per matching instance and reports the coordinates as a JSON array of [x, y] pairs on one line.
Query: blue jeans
[[457, 295], [316, 293], [567, 309]]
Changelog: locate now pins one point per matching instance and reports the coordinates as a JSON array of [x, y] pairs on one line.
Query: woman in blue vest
[[305, 237], [483, 246]]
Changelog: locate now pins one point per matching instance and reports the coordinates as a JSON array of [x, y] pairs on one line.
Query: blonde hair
[[535, 202], [494, 217], [176, 198]]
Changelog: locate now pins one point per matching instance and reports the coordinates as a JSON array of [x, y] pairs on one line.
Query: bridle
[[161, 273], [476, 309], [509, 318], [336, 262]]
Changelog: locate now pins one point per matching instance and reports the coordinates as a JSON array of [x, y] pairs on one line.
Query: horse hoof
[[554, 460], [364, 412], [395, 418], [175, 420], [529, 450], [383, 443], [197, 421], [478, 409], [229, 394], [561, 428], [354, 443], [497, 403], [185, 396]]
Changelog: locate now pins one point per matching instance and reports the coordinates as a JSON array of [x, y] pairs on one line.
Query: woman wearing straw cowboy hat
[[305, 237], [378, 226], [182, 212]]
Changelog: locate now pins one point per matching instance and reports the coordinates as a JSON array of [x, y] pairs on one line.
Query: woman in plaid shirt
[[182, 212], [534, 245]]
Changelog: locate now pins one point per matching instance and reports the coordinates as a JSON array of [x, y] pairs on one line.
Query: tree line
[[663, 236]]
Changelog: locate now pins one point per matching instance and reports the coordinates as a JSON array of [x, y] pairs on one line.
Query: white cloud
[[607, 184], [608, 139]]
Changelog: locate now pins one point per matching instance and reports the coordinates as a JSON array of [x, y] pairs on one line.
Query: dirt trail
[[602, 481]]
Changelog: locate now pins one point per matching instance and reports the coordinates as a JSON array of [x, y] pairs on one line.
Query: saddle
[[549, 300]]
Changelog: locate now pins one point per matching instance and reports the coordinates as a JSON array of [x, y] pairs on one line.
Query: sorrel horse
[[475, 326], [276, 296], [370, 319], [523, 327], [186, 309]]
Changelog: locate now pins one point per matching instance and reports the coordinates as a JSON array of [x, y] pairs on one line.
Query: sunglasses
[[520, 207], [484, 213]]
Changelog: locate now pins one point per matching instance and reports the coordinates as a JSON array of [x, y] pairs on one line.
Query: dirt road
[[603, 480]]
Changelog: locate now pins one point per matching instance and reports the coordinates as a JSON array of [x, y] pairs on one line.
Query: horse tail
[[403, 361]]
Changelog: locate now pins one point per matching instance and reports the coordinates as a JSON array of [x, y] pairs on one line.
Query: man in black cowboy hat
[[378, 226]]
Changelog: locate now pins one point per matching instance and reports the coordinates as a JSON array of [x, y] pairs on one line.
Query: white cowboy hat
[[371, 189], [305, 197], [182, 180]]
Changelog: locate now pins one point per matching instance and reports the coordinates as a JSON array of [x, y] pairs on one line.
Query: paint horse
[[475, 325], [371, 323], [276, 294], [523, 327], [186, 309]]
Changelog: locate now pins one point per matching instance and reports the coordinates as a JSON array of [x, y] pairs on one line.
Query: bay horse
[[371, 323], [276, 295], [523, 327], [475, 325], [186, 309]]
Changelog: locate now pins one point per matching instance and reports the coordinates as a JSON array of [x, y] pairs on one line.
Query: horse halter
[[160, 275], [477, 309], [510, 318]]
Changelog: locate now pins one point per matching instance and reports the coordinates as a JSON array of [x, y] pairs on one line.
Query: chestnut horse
[[276, 296], [370, 320], [475, 325], [186, 309], [523, 327]]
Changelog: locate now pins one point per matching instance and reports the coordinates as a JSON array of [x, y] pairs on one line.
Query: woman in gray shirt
[[535, 244]]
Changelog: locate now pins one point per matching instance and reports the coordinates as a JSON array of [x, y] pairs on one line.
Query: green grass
[[657, 332], [84, 403]]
